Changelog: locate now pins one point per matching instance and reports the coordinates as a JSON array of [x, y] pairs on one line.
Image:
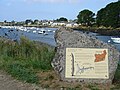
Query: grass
[[93, 87], [116, 81], [117, 74], [23, 59], [31, 62]]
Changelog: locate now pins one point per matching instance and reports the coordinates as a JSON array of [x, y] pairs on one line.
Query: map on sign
[[86, 63]]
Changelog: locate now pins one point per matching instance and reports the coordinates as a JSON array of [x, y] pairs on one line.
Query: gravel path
[[9, 83]]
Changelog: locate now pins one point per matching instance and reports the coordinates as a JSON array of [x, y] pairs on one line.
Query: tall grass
[[22, 59]]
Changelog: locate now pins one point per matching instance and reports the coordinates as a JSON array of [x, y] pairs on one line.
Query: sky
[[20, 10]]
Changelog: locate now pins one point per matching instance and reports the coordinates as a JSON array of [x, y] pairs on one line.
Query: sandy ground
[[9, 83]]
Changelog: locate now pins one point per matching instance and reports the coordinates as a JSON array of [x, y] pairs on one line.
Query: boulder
[[68, 38]]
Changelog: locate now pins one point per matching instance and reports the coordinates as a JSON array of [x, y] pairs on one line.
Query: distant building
[[72, 24], [58, 24]]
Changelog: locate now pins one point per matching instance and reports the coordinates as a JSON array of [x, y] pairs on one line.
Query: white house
[[58, 24], [72, 24]]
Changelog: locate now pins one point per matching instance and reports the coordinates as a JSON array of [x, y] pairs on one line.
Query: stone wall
[[68, 38]]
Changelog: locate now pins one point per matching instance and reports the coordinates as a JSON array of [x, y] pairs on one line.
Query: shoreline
[[101, 31]]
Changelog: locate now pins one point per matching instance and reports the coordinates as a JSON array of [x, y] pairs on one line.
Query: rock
[[68, 38]]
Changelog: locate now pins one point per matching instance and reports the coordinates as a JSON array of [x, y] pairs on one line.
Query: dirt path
[[9, 83]]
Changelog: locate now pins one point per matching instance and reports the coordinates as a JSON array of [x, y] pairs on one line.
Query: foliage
[[22, 59], [86, 17], [62, 19], [36, 21], [28, 21], [93, 87], [110, 15], [117, 74], [22, 73], [116, 80], [5, 21]]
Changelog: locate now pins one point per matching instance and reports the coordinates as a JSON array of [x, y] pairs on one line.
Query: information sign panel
[[86, 63]]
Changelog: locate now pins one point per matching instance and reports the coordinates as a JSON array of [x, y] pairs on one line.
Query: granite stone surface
[[68, 38]]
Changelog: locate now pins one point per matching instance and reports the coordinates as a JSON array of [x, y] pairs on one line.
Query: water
[[49, 39], [106, 38], [16, 34]]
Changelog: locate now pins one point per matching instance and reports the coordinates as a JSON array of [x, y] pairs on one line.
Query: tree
[[36, 21], [28, 21], [86, 17], [12, 22], [100, 19], [5, 21], [62, 19], [109, 16]]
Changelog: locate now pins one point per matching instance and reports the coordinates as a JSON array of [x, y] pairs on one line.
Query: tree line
[[108, 16]]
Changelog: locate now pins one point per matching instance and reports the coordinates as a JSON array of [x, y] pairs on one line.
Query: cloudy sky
[[20, 10]]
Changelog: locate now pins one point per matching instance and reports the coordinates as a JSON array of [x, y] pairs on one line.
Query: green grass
[[22, 60], [25, 59], [93, 87], [117, 79], [117, 74]]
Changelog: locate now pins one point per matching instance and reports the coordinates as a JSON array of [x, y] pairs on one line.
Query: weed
[[22, 73], [92, 87], [117, 74], [22, 59], [116, 80]]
